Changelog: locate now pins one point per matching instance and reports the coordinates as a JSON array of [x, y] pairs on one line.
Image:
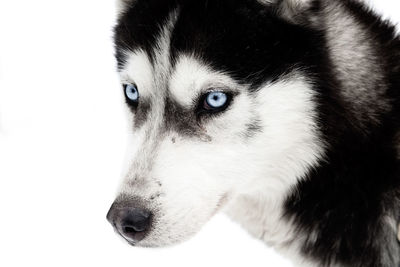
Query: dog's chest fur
[[262, 218]]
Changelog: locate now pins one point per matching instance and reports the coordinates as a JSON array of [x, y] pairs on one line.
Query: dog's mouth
[[138, 226], [131, 242]]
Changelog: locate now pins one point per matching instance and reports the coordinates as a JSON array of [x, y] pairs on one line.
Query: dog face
[[219, 105]]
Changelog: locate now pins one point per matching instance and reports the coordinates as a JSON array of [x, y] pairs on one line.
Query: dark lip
[[124, 238], [130, 242]]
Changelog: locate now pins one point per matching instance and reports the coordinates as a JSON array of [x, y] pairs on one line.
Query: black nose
[[131, 223]]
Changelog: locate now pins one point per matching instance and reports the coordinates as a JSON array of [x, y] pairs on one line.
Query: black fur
[[342, 202]]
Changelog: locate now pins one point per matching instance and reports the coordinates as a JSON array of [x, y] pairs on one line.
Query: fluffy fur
[[305, 157]]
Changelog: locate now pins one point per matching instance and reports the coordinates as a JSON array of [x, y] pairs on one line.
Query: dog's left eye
[[216, 101]]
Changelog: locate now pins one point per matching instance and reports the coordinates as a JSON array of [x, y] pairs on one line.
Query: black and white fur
[[306, 156]]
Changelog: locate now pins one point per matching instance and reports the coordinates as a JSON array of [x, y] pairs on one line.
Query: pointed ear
[[296, 11], [123, 5]]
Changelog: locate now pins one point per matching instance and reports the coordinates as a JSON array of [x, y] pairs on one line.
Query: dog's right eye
[[131, 93]]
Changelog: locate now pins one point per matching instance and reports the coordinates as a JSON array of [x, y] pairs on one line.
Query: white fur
[[289, 9], [398, 232], [138, 70], [392, 224], [287, 148], [197, 177], [187, 180], [122, 5], [356, 63], [190, 77], [150, 83]]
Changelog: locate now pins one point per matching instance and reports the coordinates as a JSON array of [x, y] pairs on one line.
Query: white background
[[62, 143]]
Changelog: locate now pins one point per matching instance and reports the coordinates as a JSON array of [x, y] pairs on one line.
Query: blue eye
[[215, 100], [131, 92]]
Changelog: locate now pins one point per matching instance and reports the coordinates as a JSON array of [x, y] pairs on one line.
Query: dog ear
[[295, 11], [123, 5]]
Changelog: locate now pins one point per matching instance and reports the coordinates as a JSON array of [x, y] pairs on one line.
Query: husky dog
[[285, 114]]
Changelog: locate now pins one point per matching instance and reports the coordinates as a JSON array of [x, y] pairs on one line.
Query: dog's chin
[[144, 244], [158, 242]]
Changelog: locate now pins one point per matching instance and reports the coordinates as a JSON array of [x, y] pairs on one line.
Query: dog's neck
[[264, 218]]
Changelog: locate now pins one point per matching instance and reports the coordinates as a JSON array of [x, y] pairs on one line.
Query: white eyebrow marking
[[151, 75], [191, 76], [138, 70]]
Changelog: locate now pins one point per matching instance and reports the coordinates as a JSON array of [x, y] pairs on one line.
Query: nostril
[[128, 229], [133, 228], [135, 221]]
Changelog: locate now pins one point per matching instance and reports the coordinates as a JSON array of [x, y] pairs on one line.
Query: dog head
[[220, 104]]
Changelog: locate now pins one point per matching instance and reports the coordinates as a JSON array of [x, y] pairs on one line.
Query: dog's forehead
[[244, 38], [166, 65]]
